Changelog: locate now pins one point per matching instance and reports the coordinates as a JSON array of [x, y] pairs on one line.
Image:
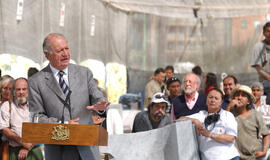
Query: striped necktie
[[62, 83]]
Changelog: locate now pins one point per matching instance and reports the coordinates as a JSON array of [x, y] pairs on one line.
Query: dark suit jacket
[[181, 109], [46, 98]]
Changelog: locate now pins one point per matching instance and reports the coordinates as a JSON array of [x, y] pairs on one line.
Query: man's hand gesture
[[99, 106]]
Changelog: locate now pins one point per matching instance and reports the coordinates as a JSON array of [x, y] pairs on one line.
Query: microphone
[[66, 104]]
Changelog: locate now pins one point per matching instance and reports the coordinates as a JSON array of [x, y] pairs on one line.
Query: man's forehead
[[256, 88], [54, 40], [161, 73], [229, 80], [55, 36], [191, 77], [20, 83], [159, 104], [267, 28]]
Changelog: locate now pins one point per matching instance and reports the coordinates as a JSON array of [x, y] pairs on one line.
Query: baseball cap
[[171, 80], [159, 98]]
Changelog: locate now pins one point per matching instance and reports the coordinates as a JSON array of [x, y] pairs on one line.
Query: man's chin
[[188, 91], [158, 117], [21, 100], [63, 66], [227, 92]]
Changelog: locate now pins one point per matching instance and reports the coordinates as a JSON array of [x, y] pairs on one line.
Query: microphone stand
[[66, 104]]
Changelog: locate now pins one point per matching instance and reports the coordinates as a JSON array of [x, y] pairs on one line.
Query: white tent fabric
[[185, 8], [140, 34]]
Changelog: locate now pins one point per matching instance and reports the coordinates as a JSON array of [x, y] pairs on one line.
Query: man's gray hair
[[46, 43], [257, 84]]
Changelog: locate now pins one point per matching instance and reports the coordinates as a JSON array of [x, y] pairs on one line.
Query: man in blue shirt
[[229, 83]]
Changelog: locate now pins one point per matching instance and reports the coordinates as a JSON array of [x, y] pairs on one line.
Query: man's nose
[[160, 110], [65, 52]]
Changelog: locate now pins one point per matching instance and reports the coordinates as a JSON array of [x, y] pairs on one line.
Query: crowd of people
[[231, 123]]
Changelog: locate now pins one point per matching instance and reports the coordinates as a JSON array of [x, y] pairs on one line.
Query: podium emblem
[[60, 133]]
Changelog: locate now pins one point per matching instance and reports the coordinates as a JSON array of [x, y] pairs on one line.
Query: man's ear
[[46, 54]]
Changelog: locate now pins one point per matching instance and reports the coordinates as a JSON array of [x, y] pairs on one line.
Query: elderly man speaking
[[63, 92]]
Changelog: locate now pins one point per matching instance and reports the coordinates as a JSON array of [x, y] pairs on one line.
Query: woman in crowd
[[5, 88], [217, 129], [210, 82], [6, 83]]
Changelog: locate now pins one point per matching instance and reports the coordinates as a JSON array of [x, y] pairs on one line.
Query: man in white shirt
[[13, 114]]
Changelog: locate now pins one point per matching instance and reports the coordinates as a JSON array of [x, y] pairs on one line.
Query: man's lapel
[[73, 79], [52, 83]]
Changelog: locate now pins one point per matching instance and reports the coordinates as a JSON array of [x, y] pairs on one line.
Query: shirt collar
[[194, 98], [55, 71]]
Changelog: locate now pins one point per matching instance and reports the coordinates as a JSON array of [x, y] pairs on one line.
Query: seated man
[[155, 117], [12, 116]]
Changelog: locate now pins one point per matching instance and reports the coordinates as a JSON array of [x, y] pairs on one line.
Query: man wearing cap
[[155, 117], [251, 126], [174, 89], [192, 101]]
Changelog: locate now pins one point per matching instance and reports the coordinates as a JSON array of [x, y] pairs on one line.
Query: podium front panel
[[64, 134]]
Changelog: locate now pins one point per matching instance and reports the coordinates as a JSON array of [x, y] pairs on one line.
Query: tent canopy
[[140, 34]]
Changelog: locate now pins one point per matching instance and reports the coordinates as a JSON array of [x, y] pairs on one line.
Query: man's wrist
[[210, 134], [213, 135]]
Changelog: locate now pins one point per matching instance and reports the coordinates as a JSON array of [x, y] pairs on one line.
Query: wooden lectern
[[64, 134]]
